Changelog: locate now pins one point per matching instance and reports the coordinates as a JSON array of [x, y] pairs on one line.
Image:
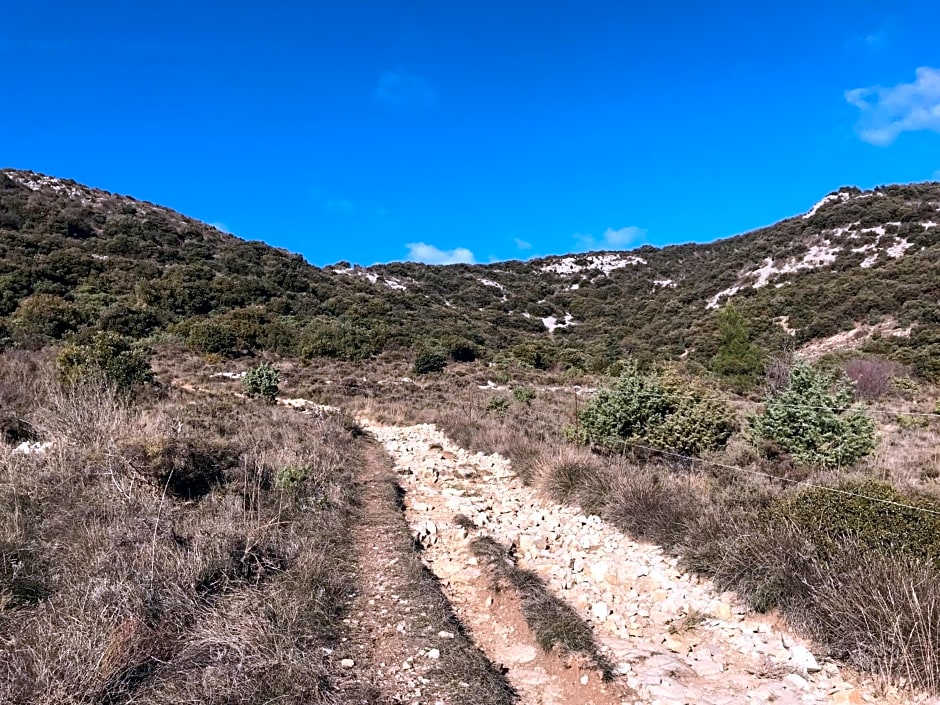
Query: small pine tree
[[658, 410], [262, 381], [738, 360], [811, 420]]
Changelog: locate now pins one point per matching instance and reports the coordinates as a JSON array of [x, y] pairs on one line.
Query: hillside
[[74, 257]]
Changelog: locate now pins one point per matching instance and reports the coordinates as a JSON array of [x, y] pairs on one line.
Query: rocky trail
[[404, 643], [670, 637]]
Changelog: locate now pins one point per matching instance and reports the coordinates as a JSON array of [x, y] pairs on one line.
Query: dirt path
[[673, 639], [405, 644]]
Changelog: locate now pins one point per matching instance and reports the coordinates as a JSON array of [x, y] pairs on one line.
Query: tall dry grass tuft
[[88, 415], [881, 612]]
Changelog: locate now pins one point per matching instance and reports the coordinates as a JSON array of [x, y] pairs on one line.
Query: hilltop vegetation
[[73, 258]]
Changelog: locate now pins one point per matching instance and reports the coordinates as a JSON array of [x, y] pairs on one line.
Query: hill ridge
[[856, 256]]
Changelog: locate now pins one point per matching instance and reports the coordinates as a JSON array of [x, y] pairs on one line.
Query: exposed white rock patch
[[229, 375], [574, 287], [929, 224], [730, 291], [495, 285], [869, 261], [38, 182], [606, 263], [816, 256], [900, 246], [852, 338], [390, 282], [551, 323], [32, 448], [664, 283], [838, 197], [784, 322]]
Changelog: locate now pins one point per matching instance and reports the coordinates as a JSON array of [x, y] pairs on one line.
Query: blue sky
[[444, 131]]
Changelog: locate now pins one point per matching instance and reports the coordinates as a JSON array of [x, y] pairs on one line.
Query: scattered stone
[[519, 654], [347, 663], [600, 611], [637, 599], [803, 659]]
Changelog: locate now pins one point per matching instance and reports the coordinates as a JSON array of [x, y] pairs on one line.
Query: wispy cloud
[[906, 107], [338, 205], [522, 244], [332, 203], [221, 226], [404, 92], [612, 239], [429, 254]]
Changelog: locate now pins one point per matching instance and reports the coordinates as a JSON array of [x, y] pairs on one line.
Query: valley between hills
[[706, 473]]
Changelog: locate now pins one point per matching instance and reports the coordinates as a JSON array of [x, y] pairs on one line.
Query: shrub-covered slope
[[73, 257]]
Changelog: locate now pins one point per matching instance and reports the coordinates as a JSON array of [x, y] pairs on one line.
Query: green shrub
[[497, 406], [110, 355], [811, 421], [872, 515], [211, 337], [43, 317], [658, 410], [461, 350], [430, 361], [262, 381], [340, 339], [524, 395], [292, 475]]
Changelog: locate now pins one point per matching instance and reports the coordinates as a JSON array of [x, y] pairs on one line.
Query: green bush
[[110, 355], [262, 381], [292, 475], [430, 361], [524, 395], [811, 420], [872, 515], [43, 317], [497, 406], [211, 337], [659, 410]]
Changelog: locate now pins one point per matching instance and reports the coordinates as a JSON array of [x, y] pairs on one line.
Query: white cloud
[[612, 239], [906, 107], [429, 254], [522, 244], [404, 92], [936, 175], [221, 226]]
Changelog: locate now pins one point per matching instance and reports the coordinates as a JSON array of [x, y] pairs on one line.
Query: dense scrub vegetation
[[74, 258]]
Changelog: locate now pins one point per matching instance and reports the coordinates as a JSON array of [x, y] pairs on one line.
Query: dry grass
[[878, 610], [120, 583]]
